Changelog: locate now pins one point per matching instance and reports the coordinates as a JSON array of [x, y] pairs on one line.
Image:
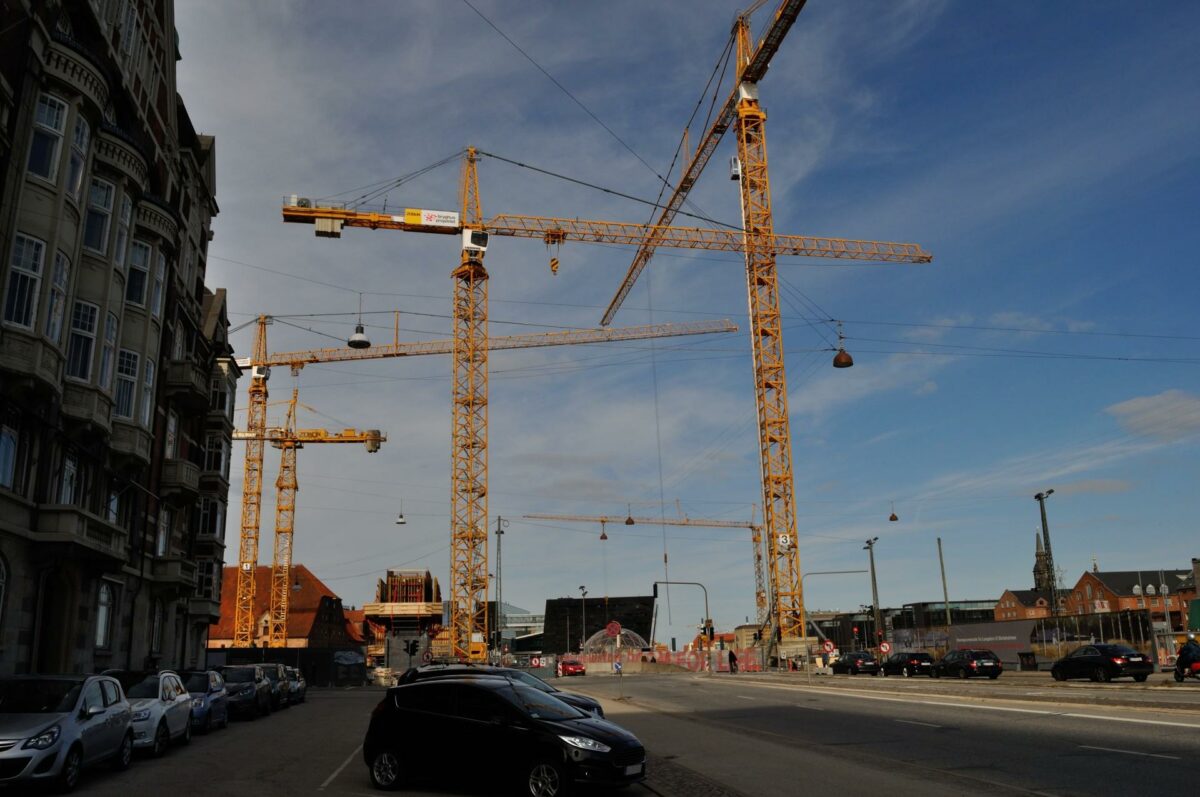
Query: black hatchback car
[[1103, 663], [582, 702], [968, 663], [908, 664], [856, 664], [519, 737]]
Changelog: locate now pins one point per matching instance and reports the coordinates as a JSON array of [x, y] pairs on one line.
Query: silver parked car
[[162, 708], [52, 726]]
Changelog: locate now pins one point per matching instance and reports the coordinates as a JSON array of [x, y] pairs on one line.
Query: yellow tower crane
[[761, 598], [260, 363], [289, 439]]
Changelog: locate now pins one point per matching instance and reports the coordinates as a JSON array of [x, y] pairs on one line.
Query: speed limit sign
[[828, 646], [885, 647]]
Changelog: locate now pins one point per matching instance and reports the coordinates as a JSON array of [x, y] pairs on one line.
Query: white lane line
[[745, 697], [338, 771], [1128, 752], [827, 692], [810, 708], [924, 724]]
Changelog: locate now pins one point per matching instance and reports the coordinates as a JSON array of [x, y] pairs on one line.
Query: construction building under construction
[[407, 607]]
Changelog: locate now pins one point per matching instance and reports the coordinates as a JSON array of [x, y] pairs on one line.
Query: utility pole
[[870, 549], [583, 611], [1041, 499], [941, 564], [501, 523]]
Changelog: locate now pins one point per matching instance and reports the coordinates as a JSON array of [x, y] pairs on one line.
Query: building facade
[[316, 618], [116, 375]]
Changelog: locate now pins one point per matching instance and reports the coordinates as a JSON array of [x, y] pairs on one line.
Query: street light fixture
[[870, 549], [1051, 573], [583, 608]]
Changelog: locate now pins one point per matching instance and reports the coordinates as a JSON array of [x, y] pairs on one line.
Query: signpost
[[613, 629], [885, 648], [828, 646]]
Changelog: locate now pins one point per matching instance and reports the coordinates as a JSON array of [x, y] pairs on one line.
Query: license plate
[[924, 664], [987, 663], [1135, 658], [635, 769]]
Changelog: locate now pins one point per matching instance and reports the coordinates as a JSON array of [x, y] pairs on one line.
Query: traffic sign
[[613, 629], [535, 661], [828, 646], [885, 647], [427, 656]]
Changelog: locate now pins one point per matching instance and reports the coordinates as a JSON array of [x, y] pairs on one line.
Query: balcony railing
[[96, 537], [180, 480], [174, 570], [188, 383]]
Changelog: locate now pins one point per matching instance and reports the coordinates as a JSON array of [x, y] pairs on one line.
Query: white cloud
[[1169, 416]]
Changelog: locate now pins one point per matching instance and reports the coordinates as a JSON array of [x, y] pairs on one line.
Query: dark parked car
[[528, 739], [210, 702], [968, 663], [297, 685], [281, 687], [856, 664], [581, 702], [908, 664], [55, 725], [247, 689], [1103, 663]]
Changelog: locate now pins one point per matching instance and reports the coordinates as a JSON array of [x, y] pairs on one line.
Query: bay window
[[24, 280]]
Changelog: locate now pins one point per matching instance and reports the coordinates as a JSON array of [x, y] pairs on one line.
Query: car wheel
[[186, 737], [1101, 675], [1141, 679], [1178, 677], [124, 755], [385, 770], [208, 723], [162, 738], [225, 720], [993, 676], [963, 674], [907, 673], [934, 674], [546, 778], [68, 776], [1058, 675]]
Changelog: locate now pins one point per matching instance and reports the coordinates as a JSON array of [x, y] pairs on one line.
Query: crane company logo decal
[[431, 218]]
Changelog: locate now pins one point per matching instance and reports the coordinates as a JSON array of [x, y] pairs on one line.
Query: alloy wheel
[[162, 737], [385, 770], [544, 780], [68, 778]]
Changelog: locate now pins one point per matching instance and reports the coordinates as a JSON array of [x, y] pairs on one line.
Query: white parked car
[[162, 708]]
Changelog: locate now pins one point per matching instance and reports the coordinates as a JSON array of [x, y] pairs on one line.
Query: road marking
[[827, 692], [810, 708], [746, 697], [914, 722], [338, 771], [1128, 752]]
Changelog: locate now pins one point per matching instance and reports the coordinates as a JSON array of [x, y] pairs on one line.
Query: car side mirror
[[91, 711]]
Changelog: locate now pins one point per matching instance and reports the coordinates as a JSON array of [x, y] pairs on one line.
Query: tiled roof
[[302, 605], [1122, 581], [1029, 597]]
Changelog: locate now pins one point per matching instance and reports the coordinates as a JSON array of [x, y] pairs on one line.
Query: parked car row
[[522, 738], [1098, 662], [52, 727]]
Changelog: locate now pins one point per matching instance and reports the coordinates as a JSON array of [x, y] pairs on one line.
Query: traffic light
[[708, 629], [655, 589], [411, 645], [856, 630]]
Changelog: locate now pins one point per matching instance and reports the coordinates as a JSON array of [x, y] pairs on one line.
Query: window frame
[[98, 212], [10, 451], [86, 335], [56, 135], [141, 279], [156, 292], [124, 220], [104, 614], [60, 278], [128, 382], [147, 401], [108, 350], [77, 163], [24, 275]]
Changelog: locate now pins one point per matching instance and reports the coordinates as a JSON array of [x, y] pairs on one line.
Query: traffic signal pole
[[707, 617]]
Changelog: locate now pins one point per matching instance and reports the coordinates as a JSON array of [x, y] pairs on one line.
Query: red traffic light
[[856, 629]]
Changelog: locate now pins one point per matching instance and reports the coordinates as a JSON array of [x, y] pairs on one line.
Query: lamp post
[[501, 524], [1041, 499], [707, 616], [803, 576], [583, 611], [870, 549]]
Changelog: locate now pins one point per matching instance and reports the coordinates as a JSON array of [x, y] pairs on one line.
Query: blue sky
[[1047, 154]]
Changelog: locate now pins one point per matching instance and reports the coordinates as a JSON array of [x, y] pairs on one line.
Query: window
[[139, 269], [79, 148], [99, 211], [217, 455], [104, 612], [25, 274], [110, 348], [122, 242], [218, 396], [171, 443], [3, 585], [111, 695], [156, 295], [212, 518], [127, 368], [49, 123], [69, 486], [148, 393], [162, 540], [58, 297], [112, 505], [83, 340], [177, 347], [1089, 591], [156, 625], [8, 457], [92, 696]]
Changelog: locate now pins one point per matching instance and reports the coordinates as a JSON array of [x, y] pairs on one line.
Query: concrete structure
[[408, 604], [116, 381]]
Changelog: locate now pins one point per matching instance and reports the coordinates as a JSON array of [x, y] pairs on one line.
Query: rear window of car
[[239, 675], [919, 656], [1117, 650], [982, 654]]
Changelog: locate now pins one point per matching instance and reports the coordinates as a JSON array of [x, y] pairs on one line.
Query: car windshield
[[529, 679], [38, 696], [272, 675], [239, 675], [538, 704], [138, 684], [197, 682]]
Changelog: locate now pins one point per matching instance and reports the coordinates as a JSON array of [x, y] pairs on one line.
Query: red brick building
[[1022, 604], [316, 618]]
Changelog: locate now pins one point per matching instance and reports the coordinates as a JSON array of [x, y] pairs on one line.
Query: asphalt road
[[730, 736], [766, 734]]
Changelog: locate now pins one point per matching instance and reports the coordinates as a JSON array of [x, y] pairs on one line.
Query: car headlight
[[584, 743], [44, 739], [197, 702], [140, 715]]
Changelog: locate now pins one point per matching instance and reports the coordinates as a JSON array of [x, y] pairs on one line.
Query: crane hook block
[[554, 265]]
